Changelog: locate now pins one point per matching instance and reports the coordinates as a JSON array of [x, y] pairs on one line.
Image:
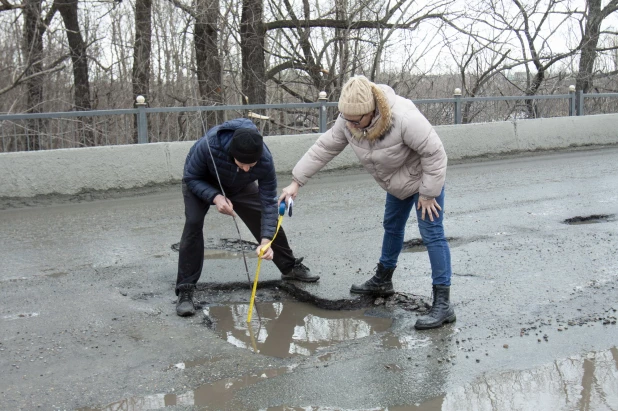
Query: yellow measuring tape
[[257, 271]]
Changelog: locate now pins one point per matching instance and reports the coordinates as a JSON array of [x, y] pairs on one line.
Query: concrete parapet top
[[70, 171]]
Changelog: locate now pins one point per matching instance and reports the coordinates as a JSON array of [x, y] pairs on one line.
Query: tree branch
[[292, 92], [184, 7], [5, 5], [21, 79], [343, 24]]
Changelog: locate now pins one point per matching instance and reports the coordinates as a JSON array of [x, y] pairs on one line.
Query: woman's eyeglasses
[[356, 123]]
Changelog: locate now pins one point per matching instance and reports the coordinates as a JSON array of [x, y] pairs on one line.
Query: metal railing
[[43, 131]]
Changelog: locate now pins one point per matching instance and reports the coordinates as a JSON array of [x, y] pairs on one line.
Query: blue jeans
[[396, 215]]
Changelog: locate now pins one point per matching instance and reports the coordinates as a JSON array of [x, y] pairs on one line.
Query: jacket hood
[[382, 120]]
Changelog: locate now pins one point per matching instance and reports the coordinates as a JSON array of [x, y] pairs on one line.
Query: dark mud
[[591, 219]]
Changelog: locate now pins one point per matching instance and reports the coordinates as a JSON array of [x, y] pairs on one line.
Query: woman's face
[[359, 122]]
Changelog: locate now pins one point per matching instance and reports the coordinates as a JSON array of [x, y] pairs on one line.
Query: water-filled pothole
[[291, 328], [591, 219], [225, 248]]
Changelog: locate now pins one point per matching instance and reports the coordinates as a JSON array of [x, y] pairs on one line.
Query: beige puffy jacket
[[400, 149]]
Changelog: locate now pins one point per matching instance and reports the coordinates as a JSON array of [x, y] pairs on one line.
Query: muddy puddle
[[291, 328], [209, 396], [580, 382]]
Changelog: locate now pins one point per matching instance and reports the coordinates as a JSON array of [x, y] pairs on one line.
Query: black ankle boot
[[300, 272], [185, 306], [379, 285], [441, 310]]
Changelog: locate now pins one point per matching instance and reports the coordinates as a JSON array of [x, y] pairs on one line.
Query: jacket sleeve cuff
[[298, 181]]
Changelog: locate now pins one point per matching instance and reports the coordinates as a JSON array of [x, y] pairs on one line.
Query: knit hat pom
[[246, 146], [356, 97]]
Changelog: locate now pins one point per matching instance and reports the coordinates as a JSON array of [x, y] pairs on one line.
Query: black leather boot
[[185, 306], [441, 310], [300, 272], [379, 285]]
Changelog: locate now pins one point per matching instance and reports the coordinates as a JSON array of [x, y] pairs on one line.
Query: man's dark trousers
[[248, 207]]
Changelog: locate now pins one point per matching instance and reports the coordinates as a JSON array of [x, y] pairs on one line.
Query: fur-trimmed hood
[[382, 120]]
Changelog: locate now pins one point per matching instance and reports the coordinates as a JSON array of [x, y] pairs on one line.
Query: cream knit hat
[[356, 97]]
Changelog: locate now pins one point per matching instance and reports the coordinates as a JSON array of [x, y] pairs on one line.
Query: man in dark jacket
[[247, 172]]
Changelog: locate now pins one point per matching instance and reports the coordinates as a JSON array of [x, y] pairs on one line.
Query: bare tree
[[537, 26], [205, 14], [142, 52], [142, 48], [595, 15], [68, 10], [252, 37]]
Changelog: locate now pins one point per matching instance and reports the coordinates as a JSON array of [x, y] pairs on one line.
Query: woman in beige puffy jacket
[[401, 150]]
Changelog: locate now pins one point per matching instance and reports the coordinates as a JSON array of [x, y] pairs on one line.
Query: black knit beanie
[[246, 146]]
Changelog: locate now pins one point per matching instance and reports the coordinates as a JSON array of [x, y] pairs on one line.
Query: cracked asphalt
[[87, 319]]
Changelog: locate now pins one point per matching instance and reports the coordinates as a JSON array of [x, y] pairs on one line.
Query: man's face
[[359, 122], [244, 167]]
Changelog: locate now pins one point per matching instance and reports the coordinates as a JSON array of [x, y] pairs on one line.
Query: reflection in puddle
[[292, 328], [213, 396], [583, 383], [588, 382], [431, 405]]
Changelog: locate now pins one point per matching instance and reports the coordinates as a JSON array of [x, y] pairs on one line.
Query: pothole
[[591, 219], [416, 244], [291, 328], [225, 248], [294, 322]]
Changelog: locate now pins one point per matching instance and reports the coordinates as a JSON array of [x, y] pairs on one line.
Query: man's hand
[[224, 206], [268, 253], [430, 206], [288, 192]]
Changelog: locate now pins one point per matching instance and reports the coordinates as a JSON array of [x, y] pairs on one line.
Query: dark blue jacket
[[201, 179]]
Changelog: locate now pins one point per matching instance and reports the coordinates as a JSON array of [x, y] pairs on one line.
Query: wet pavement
[[87, 315]]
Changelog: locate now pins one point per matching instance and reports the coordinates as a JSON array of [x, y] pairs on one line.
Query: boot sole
[[185, 313], [449, 320], [376, 293], [189, 314]]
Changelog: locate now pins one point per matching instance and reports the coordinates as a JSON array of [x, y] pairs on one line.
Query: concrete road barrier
[[71, 171]]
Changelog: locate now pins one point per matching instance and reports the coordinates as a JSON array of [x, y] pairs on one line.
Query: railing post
[[457, 108], [142, 123], [572, 100], [322, 99], [580, 108]]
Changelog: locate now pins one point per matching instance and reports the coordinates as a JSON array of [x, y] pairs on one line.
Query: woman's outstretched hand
[[288, 192]]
